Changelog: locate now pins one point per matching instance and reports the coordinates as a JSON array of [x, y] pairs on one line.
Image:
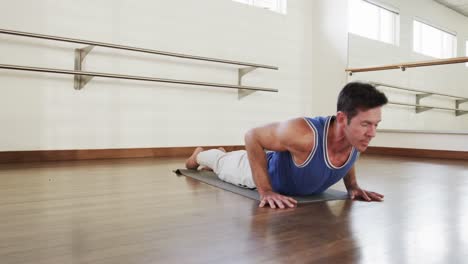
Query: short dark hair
[[359, 96]]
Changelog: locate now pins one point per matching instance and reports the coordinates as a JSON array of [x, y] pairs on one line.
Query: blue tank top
[[316, 174]]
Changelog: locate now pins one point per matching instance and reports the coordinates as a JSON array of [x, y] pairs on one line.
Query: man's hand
[[276, 200], [358, 193]]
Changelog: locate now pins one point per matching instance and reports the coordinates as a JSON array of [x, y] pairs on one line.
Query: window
[[273, 5], [433, 42], [373, 21]]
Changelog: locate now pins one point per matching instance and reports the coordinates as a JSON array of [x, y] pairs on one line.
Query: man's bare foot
[[191, 163], [222, 149]]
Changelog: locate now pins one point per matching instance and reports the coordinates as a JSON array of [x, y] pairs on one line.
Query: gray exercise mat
[[210, 178]]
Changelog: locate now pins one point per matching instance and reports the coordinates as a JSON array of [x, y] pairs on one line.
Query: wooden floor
[[138, 211]]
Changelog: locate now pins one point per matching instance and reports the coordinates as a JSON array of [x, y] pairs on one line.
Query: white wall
[[43, 111], [329, 55], [449, 79], [455, 142]]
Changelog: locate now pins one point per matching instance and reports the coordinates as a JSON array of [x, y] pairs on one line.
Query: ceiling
[[461, 6]]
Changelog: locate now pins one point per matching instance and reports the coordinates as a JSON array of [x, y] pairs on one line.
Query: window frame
[[441, 29], [396, 23]]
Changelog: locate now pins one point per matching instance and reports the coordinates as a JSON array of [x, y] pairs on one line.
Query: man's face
[[362, 128]]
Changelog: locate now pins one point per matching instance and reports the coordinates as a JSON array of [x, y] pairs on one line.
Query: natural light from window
[[273, 5], [433, 42], [372, 21]]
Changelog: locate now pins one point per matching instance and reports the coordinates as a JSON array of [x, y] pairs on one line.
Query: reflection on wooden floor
[[138, 211]]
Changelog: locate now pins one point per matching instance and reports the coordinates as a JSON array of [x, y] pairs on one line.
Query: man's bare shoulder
[[298, 126], [299, 134]]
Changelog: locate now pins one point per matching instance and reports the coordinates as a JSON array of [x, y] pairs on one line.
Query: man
[[307, 155]]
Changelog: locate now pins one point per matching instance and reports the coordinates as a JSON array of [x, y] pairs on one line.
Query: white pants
[[232, 167]]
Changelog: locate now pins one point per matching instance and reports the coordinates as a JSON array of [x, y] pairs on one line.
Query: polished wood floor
[[138, 211]]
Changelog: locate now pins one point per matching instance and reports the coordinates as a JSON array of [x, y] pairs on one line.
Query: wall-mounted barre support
[[420, 109], [81, 80], [457, 106], [243, 93], [420, 94], [130, 77], [413, 90], [404, 66], [458, 112]]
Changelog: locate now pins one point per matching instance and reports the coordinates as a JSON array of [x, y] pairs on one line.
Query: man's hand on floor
[[276, 200], [357, 193]]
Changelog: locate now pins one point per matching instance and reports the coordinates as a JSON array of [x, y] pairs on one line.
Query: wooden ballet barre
[[403, 66], [130, 77]]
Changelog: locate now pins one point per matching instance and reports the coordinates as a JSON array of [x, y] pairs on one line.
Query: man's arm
[[284, 136], [355, 191], [350, 179]]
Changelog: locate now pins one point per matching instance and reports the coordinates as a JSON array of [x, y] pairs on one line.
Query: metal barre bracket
[[421, 94], [241, 93], [420, 109], [81, 80], [457, 106]]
